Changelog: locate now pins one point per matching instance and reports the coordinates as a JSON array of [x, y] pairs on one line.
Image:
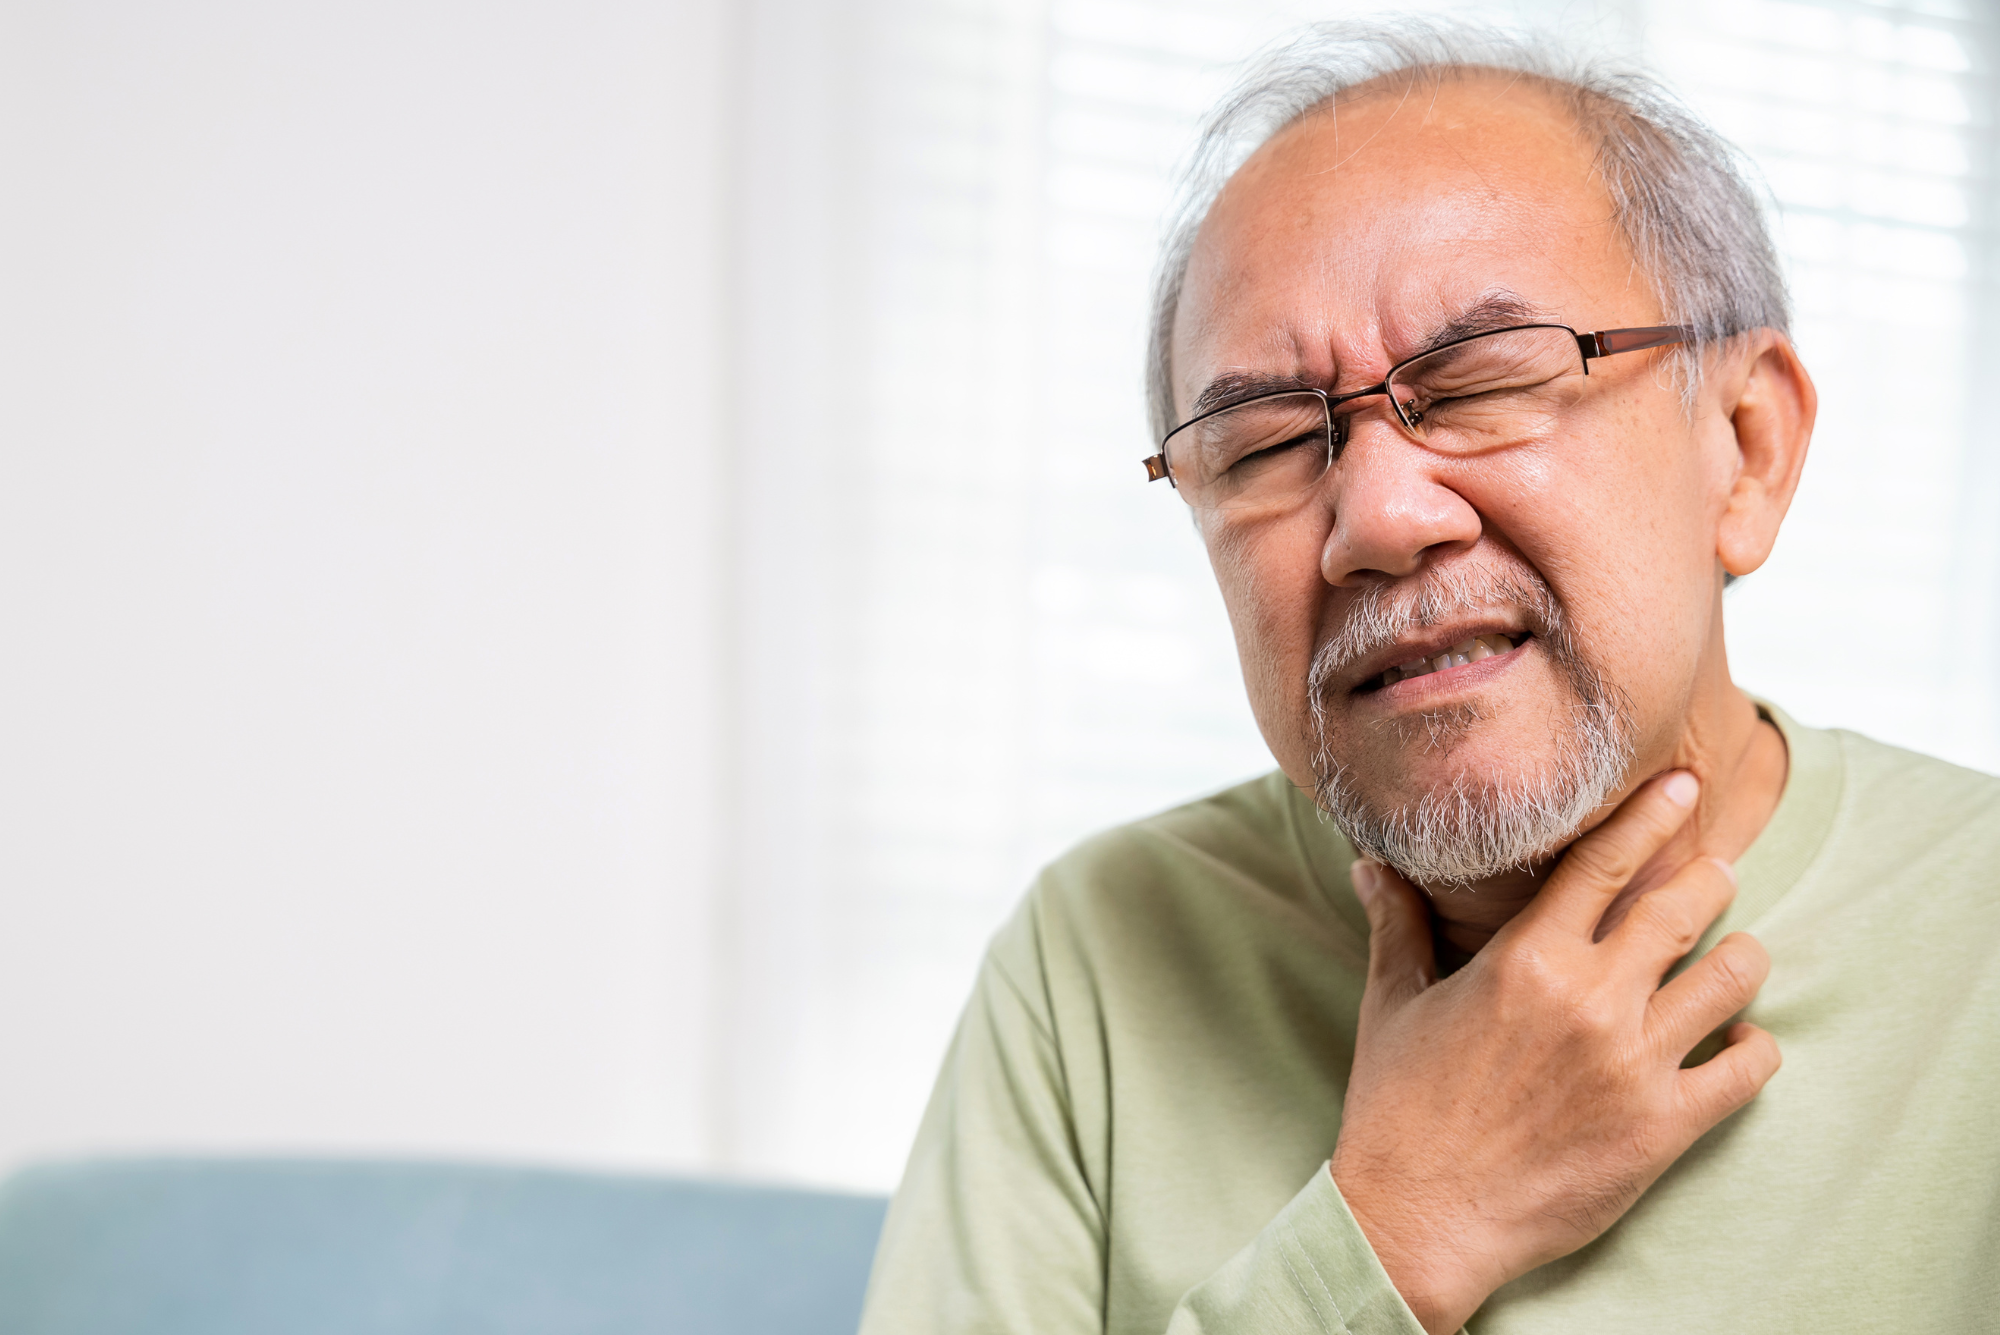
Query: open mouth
[[1475, 650]]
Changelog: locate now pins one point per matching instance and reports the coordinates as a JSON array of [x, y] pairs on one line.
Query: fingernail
[[1727, 870], [1362, 876], [1682, 789]]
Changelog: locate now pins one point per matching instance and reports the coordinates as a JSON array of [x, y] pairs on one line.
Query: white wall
[[358, 497]]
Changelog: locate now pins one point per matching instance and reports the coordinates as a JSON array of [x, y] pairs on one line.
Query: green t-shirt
[[1131, 1130]]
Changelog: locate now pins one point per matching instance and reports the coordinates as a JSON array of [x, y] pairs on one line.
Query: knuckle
[[1533, 991], [1600, 859], [1524, 972], [1742, 1083], [1737, 974], [1733, 978], [1665, 916], [1588, 1020], [1728, 986], [1589, 1015], [1717, 1097]]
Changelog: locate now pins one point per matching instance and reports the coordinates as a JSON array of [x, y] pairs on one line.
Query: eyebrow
[[1498, 309], [1234, 387]]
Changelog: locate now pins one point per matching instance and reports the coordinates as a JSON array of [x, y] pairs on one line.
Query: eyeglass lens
[[1498, 389]]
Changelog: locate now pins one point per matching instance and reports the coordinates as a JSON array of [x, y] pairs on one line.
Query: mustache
[[1382, 614], [1475, 826]]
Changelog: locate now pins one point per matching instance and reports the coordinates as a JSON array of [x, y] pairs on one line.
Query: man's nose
[[1393, 509]]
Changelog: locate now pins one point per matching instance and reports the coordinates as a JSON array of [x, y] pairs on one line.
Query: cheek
[[1271, 585], [1621, 521]]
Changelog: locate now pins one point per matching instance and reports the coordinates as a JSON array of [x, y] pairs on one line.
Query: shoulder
[[1172, 892], [1249, 830], [1911, 838], [1245, 841], [1910, 801]]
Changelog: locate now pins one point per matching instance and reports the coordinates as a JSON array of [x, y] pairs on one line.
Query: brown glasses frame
[[1599, 343]]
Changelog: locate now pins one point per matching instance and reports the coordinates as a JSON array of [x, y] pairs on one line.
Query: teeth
[[1459, 655]]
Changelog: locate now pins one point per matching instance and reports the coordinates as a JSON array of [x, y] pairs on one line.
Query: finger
[[1664, 923], [1731, 1078], [1401, 959], [1599, 865], [1715, 987]]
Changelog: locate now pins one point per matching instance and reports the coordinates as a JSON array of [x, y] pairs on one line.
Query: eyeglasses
[[1504, 387]]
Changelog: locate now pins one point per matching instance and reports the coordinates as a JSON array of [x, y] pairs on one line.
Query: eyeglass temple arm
[[1608, 342]]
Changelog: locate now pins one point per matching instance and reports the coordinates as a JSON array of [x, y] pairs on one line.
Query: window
[[972, 635]]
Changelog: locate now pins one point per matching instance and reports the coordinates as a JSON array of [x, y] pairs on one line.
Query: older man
[[1474, 374]]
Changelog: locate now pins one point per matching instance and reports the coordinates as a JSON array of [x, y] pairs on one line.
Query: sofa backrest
[[220, 1247]]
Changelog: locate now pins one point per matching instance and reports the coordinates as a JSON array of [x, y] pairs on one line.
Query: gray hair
[[1677, 189]]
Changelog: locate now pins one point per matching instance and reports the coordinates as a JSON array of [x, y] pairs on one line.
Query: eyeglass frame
[[1598, 343]]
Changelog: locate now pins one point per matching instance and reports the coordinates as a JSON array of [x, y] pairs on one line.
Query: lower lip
[[1452, 679]]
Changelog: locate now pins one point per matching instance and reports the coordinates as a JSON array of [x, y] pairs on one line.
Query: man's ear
[[1772, 418]]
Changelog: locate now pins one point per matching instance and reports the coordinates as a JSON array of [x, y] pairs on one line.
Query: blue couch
[[220, 1247]]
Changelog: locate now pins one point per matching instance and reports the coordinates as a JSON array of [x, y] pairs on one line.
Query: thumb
[[1401, 960]]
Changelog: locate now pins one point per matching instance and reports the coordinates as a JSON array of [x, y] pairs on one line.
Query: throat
[[1737, 802], [1465, 918]]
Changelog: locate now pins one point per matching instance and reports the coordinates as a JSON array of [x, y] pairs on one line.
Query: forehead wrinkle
[[1310, 353], [1495, 308], [1241, 382]]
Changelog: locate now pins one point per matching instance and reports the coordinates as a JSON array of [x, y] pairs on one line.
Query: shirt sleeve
[[997, 1228], [1310, 1269]]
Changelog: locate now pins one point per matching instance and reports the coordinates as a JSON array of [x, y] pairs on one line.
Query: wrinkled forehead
[[1365, 226]]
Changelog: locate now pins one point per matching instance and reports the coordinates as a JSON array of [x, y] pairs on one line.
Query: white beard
[[1473, 829]]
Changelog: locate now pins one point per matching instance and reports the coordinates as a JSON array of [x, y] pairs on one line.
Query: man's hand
[[1512, 1112]]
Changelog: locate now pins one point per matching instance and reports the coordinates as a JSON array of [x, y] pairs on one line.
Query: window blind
[[982, 636]]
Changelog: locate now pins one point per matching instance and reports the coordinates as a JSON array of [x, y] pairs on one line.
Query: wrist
[[1438, 1278]]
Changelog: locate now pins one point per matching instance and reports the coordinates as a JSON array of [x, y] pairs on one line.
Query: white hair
[[1678, 190]]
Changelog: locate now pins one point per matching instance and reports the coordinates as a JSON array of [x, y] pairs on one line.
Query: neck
[[1741, 762]]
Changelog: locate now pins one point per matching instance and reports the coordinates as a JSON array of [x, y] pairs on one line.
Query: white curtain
[[968, 634]]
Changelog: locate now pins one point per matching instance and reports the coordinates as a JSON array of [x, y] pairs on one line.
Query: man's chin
[[1400, 761], [1481, 786], [1493, 800]]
